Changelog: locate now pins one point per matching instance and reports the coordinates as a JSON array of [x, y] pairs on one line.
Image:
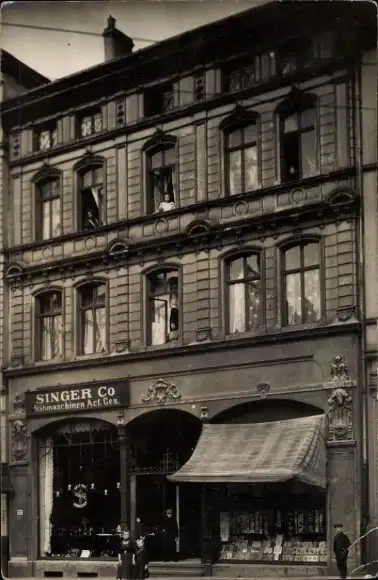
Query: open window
[[163, 304], [302, 284], [92, 307], [49, 326], [244, 293], [298, 140], [48, 209], [91, 198], [161, 186], [158, 100]]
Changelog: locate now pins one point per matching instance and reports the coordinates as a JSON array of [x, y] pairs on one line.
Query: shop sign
[[77, 398]]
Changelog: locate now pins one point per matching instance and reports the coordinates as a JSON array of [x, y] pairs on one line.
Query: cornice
[[146, 353], [210, 103], [197, 238]]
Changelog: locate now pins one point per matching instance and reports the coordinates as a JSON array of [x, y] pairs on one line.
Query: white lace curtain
[[160, 321], [52, 337], [94, 331], [46, 493]]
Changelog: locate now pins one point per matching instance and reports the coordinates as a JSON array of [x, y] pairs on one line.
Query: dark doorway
[[162, 442]]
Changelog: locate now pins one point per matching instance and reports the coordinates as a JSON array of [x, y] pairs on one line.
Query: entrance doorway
[[161, 443]]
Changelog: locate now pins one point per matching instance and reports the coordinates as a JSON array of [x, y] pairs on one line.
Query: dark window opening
[[158, 100], [79, 491], [161, 190], [298, 145], [91, 200], [163, 307]]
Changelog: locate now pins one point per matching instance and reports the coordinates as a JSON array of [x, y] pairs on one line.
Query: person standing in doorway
[[341, 546], [170, 537]]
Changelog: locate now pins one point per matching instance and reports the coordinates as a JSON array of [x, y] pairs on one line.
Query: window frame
[[39, 204], [38, 319], [158, 143], [283, 273], [80, 173], [147, 310], [51, 128], [225, 289], [296, 104], [82, 115], [227, 150], [80, 318], [158, 93]]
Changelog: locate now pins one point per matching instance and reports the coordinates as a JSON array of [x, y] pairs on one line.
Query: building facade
[[191, 241], [16, 78]]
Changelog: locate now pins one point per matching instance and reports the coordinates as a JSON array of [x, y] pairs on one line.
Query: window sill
[[51, 361], [95, 355], [165, 346], [298, 327], [248, 334]]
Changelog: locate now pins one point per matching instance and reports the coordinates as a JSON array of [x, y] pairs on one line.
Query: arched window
[[242, 159], [163, 307], [48, 209], [244, 293], [302, 284], [298, 141], [161, 179], [91, 206], [79, 489], [92, 317], [49, 326]]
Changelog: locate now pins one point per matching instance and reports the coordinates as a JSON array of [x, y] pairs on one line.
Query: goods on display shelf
[[274, 549]]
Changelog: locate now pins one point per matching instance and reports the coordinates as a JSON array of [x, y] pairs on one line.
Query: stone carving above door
[[340, 415], [20, 438], [160, 392]]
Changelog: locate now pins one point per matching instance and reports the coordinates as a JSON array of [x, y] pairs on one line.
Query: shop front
[[265, 485]]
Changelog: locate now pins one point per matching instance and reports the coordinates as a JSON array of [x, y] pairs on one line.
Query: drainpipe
[[362, 371]]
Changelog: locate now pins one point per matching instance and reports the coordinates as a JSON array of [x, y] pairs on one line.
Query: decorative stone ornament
[[263, 390], [19, 403], [339, 370], [340, 426], [161, 392], [20, 439]]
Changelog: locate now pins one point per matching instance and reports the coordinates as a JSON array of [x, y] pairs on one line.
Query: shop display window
[[275, 527], [79, 491]]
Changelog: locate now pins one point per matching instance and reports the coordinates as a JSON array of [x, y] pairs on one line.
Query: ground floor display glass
[[273, 523], [79, 490]]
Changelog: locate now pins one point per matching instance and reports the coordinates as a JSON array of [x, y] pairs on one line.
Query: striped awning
[[259, 452]]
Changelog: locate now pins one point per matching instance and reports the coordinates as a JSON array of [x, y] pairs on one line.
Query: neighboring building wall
[[369, 121]]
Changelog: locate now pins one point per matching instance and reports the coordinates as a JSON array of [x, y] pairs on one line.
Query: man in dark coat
[[170, 531], [341, 546]]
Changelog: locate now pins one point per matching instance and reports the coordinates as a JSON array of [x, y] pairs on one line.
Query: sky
[[55, 54]]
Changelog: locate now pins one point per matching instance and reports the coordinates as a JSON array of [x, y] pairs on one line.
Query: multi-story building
[[191, 241], [16, 78]]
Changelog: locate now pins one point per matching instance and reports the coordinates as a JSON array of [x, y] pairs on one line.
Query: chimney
[[116, 44]]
